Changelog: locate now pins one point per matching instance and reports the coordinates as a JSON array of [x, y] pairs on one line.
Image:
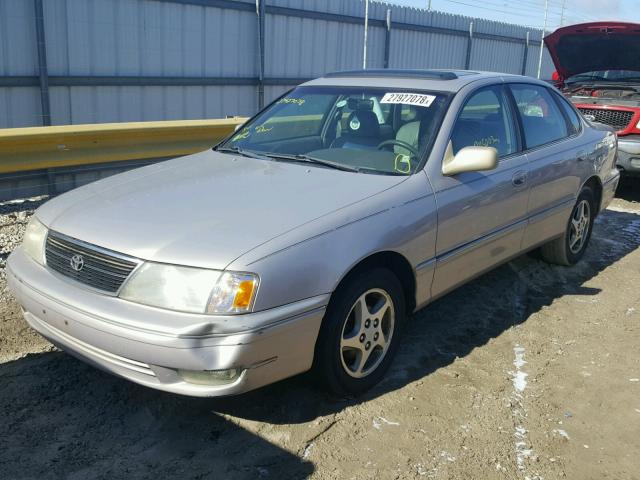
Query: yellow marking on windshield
[[402, 163], [242, 135], [294, 101], [263, 129]]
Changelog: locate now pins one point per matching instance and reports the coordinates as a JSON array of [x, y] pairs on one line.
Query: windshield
[[367, 130], [605, 75]]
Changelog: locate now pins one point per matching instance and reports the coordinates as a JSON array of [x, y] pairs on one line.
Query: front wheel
[[570, 247], [360, 332]]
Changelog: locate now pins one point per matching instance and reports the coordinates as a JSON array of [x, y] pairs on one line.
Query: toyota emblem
[[77, 262]]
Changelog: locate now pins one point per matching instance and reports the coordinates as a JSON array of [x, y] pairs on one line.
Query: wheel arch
[[393, 261], [595, 184]]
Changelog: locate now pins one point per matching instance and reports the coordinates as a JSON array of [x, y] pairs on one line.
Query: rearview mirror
[[469, 159]]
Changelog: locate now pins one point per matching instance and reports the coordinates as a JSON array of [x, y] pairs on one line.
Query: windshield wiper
[[314, 160], [303, 159], [240, 151]]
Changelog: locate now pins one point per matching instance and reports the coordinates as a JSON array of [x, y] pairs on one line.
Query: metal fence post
[[387, 39], [42, 63], [467, 61], [525, 55], [261, 11]]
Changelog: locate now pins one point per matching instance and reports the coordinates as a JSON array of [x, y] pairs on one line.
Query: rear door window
[[542, 120], [486, 121]]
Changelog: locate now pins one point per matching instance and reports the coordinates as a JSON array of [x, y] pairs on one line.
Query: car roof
[[434, 79]]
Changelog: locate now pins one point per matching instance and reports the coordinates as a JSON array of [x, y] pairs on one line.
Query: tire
[[349, 333], [570, 247]]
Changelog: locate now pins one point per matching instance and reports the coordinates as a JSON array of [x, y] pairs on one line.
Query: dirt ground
[[530, 372]]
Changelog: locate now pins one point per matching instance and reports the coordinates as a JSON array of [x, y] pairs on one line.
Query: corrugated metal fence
[[87, 61]]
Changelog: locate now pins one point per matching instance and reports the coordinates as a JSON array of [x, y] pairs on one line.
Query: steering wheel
[[399, 143]]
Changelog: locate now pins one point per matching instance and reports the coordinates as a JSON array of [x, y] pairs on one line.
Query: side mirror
[[469, 159]]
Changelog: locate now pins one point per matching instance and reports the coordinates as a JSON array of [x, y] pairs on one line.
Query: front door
[[481, 215]]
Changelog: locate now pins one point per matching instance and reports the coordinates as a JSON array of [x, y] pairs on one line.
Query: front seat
[[363, 131], [411, 131], [408, 133]]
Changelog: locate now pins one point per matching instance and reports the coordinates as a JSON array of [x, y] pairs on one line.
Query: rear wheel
[[360, 332], [570, 247]]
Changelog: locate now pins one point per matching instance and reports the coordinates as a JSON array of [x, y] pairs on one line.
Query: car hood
[[589, 47], [205, 209]]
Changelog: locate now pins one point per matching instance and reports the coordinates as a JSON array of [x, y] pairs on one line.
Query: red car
[[598, 69]]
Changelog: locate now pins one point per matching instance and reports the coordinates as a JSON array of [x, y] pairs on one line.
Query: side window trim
[[515, 116]]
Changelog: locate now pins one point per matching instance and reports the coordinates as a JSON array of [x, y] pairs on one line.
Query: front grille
[[618, 119], [101, 269]]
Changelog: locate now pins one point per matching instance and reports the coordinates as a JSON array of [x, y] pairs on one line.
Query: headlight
[[189, 289], [638, 125], [33, 240], [234, 293]]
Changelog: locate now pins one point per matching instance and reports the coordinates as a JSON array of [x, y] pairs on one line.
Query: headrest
[[360, 104], [363, 123]]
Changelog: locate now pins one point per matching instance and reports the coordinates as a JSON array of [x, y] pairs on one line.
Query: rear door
[[554, 156], [481, 215]]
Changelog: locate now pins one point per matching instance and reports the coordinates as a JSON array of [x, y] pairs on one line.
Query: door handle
[[519, 178]]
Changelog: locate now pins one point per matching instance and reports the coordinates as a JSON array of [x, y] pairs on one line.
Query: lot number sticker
[[417, 99]]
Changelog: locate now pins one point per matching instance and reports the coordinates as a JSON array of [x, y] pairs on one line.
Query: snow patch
[[519, 377], [519, 380], [307, 450], [379, 421], [19, 201], [617, 208], [562, 433], [447, 456]]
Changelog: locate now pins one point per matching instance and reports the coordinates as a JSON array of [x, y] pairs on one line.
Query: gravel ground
[[530, 372]]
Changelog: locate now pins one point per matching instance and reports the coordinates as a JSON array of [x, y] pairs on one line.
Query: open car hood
[[589, 47]]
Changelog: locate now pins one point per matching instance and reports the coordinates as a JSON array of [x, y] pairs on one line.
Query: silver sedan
[[307, 238]]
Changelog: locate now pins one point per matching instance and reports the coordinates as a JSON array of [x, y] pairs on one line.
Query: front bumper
[[148, 345], [629, 156]]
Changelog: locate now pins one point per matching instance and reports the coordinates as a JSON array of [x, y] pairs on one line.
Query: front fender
[[313, 259]]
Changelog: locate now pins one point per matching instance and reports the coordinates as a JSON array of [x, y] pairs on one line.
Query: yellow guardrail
[[35, 148]]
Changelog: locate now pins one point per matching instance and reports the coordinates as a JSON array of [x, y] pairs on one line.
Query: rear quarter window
[[572, 115]]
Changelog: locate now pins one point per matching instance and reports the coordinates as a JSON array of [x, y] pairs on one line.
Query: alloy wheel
[[367, 332], [579, 227]]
